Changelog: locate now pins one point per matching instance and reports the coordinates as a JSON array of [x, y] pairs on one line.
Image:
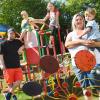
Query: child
[[30, 39], [27, 24], [92, 28], [53, 16]]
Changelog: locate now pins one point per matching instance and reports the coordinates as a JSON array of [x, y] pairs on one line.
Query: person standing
[[28, 34], [74, 44], [53, 16], [12, 71]]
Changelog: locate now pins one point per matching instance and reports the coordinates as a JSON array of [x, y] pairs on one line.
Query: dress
[[79, 74], [30, 42]]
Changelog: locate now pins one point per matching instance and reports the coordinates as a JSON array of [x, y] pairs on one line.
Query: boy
[[92, 28]]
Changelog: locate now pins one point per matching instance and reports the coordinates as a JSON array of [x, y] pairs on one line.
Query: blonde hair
[[74, 19], [24, 12], [90, 11]]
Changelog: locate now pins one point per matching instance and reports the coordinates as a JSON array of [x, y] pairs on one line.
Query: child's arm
[[22, 35], [86, 31], [36, 26], [57, 19], [38, 21], [33, 25], [46, 17]]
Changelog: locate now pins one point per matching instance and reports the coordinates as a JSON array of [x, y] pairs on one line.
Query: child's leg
[[51, 39]]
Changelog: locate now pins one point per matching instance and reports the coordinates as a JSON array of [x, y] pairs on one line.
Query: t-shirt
[[94, 34], [9, 49], [97, 55], [76, 49], [52, 17]]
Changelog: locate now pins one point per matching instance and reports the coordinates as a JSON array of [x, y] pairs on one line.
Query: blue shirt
[[94, 34]]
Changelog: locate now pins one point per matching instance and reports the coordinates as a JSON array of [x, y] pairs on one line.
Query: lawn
[[23, 96]]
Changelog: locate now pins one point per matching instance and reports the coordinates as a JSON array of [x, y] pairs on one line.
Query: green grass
[[22, 96]]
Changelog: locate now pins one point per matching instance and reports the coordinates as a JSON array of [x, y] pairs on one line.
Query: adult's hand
[[89, 43]]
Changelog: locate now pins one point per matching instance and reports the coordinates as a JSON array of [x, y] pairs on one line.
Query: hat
[[11, 30]]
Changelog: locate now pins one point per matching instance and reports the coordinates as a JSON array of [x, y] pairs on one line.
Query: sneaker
[[8, 96], [14, 97]]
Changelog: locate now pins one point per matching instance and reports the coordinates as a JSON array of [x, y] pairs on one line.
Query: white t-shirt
[[97, 55], [74, 50]]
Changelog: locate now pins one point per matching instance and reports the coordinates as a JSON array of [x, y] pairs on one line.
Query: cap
[[11, 30]]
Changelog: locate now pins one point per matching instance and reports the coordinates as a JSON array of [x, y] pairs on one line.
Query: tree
[[10, 10]]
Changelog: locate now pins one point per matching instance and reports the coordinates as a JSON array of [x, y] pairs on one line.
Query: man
[[10, 49]]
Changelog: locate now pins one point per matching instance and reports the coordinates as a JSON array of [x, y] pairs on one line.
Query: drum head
[[49, 64], [85, 60], [32, 88]]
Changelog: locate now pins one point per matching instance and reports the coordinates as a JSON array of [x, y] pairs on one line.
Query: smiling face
[[78, 22]]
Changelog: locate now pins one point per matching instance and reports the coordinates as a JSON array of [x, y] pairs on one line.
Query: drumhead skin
[[85, 60], [32, 88], [49, 64]]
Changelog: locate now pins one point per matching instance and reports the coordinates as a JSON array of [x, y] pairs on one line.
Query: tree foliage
[[10, 10], [75, 6]]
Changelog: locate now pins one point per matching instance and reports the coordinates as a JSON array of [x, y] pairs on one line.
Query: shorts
[[12, 75], [32, 55]]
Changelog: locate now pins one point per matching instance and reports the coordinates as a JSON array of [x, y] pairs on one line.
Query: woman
[[74, 44]]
